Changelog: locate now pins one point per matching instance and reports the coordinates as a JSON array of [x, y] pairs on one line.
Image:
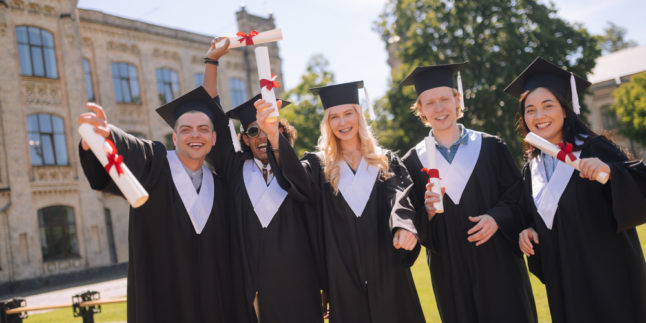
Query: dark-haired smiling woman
[[580, 237]]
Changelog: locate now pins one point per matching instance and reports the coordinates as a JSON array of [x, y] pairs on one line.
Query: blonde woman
[[366, 247]]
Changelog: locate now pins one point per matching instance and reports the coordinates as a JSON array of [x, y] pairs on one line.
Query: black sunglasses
[[252, 132]]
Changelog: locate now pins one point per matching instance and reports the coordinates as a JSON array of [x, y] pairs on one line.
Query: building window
[[167, 85], [88, 80], [198, 78], [238, 91], [57, 232], [608, 118], [36, 52], [46, 137], [126, 87]]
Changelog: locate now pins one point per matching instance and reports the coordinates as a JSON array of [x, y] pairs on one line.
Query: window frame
[[165, 83], [237, 91], [52, 136], [129, 79], [48, 228], [45, 52], [89, 82]]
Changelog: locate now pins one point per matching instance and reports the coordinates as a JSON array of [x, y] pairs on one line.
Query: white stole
[[197, 206], [456, 174], [547, 194], [266, 200], [356, 188]]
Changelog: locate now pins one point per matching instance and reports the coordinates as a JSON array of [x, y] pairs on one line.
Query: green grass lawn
[[117, 312]]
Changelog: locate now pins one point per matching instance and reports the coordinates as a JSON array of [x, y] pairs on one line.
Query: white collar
[[266, 199], [356, 188], [261, 166], [198, 206], [455, 175]]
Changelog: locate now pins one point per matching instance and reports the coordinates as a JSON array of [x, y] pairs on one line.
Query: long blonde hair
[[329, 151]]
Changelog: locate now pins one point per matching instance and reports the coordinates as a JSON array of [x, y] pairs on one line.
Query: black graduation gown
[[278, 261], [488, 283], [174, 274], [367, 279], [591, 260]]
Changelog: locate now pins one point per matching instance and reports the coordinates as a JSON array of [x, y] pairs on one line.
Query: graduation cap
[[196, 100], [344, 93], [246, 112], [429, 77], [542, 73]]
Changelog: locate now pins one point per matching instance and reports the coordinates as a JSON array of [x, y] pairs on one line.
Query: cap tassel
[[461, 92], [371, 109], [575, 96], [234, 137]]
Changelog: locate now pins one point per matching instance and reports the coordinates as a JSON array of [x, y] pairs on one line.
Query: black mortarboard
[[196, 100], [246, 112], [428, 77], [337, 94], [542, 73]]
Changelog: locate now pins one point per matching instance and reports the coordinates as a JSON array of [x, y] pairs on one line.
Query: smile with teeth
[[543, 125], [195, 145], [346, 130], [441, 118], [262, 147]]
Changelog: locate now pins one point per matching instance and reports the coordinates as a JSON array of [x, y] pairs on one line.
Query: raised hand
[[525, 239], [484, 229], [216, 53], [97, 119], [268, 126]]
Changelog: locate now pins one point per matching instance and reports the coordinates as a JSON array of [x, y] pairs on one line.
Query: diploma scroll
[[433, 172], [267, 81], [252, 38], [554, 151], [106, 153]]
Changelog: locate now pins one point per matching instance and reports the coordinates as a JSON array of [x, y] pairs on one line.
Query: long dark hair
[[573, 128]]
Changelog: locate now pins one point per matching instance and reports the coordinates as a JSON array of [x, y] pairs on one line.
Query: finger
[[429, 186], [475, 228], [97, 109], [475, 218], [259, 103], [279, 104], [486, 236], [104, 132], [535, 238], [84, 145], [91, 120], [443, 190], [396, 240]]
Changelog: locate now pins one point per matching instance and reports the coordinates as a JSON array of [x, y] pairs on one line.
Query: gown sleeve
[[627, 185], [402, 214], [294, 176], [506, 211], [526, 209], [225, 160], [138, 154]]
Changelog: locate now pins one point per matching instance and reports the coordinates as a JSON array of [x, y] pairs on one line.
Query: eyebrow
[[188, 126]]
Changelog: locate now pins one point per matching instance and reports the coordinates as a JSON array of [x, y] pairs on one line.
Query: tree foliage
[[306, 112], [613, 39], [499, 38], [630, 107]]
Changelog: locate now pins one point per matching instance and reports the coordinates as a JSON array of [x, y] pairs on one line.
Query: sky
[[341, 30]]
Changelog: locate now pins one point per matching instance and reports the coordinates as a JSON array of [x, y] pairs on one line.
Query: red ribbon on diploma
[[269, 84], [566, 150], [248, 39], [432, 173], [113, 159]]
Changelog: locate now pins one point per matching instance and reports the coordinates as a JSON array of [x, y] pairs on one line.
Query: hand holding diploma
[[563, 152], [242, 39], [434, 178], [267, 80], [94, 132]]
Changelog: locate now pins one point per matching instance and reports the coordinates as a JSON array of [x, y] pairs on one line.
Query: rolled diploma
[[262, 38], [553, 150], [431, 151], [127, 183], [264, 72]]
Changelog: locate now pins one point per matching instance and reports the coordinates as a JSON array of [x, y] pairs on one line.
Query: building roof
[[620, 63]]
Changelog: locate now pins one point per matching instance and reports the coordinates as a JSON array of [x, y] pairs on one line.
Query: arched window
[[238, 91], [57, 232], [46, 138], [167, 85], [126, 86], [36, 52]]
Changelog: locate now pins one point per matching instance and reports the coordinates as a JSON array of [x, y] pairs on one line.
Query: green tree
[[498, 37], [306, 112], [630, 108], [613, 39]]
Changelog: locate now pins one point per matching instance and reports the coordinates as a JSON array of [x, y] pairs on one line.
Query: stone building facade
[[609, 72], [55, 57]]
